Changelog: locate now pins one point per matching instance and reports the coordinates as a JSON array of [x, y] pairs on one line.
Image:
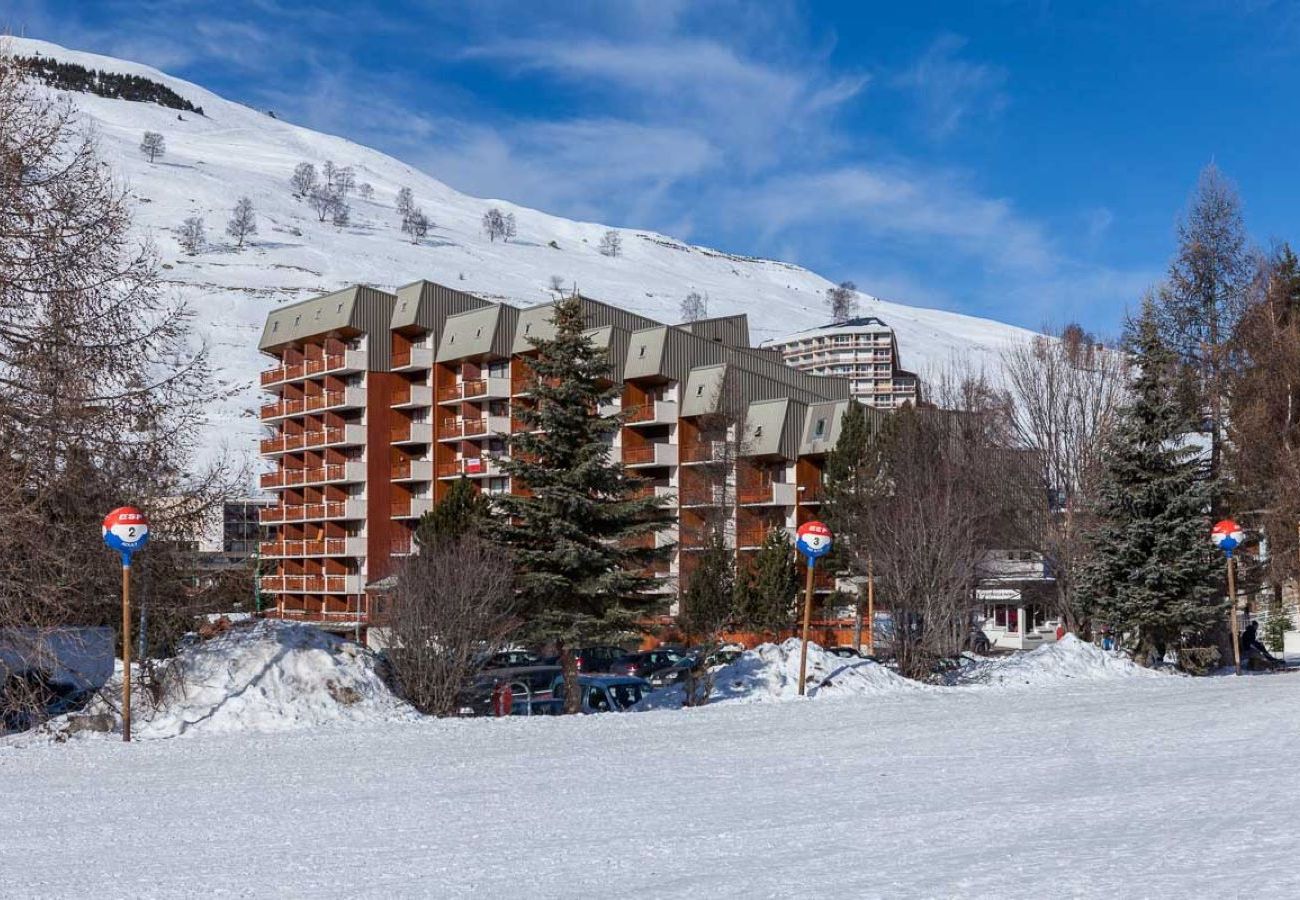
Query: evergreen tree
[[462, 511], [581, 537], [850, 473], [709, 600], [767, 592], [1152, 575]]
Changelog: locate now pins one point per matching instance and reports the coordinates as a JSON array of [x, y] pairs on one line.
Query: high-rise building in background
[[862, 350]]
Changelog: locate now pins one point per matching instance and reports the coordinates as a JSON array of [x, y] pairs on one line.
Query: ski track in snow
[[1129, 787], [235, 151]]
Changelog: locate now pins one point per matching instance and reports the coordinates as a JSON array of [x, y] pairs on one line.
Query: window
[[317, 316], [819, 431], [478, 332], [528, 326], [699, 391], [758, 432], [340, 309], [296, 320], [275, 326], [641, 352]]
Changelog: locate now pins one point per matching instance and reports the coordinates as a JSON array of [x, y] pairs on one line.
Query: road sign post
[[813, 540], [1228, 536], [126, 530]]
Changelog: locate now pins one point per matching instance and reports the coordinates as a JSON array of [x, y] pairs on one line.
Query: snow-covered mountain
[[231, 151]]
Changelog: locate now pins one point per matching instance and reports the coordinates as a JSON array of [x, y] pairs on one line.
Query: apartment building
[[863, 350], [382, 400]]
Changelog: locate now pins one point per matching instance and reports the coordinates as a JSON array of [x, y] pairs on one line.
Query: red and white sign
[[126, 530], [813, 539], [473, 465], [1227, 536]]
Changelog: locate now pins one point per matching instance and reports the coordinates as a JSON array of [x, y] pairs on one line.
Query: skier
[[1252, 649]]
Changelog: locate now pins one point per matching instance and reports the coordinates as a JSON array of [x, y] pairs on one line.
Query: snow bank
[[1069, 659], [770, 672], [270, 676]]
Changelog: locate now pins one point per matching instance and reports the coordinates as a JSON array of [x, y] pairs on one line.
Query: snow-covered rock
[[1068, 659], [770, 672], [270, 676], [233, 151]]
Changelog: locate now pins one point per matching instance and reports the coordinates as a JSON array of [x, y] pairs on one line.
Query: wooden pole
[[1232, 613], [871, 605], [126, 652], [807, 621]]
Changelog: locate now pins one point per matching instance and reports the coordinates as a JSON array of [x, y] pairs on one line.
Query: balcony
[[313, 584], [753, 537], [281, 409], [411, 507], [338, 473], [413, 470], [412, 359], [650, 455], [658, 412], [472, 467], [485, 426], [412, 433], [704, 452], [451, 428], [771, 494], [351, 397], [413, 395], [349, 546], [661, 491], [493, 386], [705, 495]]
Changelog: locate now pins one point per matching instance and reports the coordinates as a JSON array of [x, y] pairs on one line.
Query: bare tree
[[152, 145], [494, 224], [345, 181], [843, 301], [405, 203], [1066, 392], [101, 387], [191, 235], [330, 171], [511, 228], [611, 243], [365, 190], [556, 285], [303, 180], [323, 202], [695, 306], [416, 224], [453, 606], [341, 214], [243, 221]]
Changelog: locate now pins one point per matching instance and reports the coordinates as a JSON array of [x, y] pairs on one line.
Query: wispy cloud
[[951, 90]]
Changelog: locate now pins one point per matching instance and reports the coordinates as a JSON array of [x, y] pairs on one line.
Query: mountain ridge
[[233, 150]]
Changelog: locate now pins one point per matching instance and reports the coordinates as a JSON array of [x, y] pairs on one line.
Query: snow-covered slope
[[235, 151]]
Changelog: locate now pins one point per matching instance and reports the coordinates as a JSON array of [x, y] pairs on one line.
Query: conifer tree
[[581, 537], [767, 591], [1152, 572], [462, 511]]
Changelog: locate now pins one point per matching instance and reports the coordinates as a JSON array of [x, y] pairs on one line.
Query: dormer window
[[641, 353], [699, 391], [820, 430], [528, 326], [478, 332], [296, 320]]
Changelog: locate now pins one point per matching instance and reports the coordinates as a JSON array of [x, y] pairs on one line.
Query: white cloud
[[950, 90]]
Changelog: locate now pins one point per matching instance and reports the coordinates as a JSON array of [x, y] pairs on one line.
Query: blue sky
[[1020, 160]]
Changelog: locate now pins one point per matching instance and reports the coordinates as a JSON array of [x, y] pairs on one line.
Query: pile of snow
[[770, 672], [1068, 659], [270, 676]]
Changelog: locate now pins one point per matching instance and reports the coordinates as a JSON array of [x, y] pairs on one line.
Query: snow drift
[[770, 672], [1069, 659], [270, 676]]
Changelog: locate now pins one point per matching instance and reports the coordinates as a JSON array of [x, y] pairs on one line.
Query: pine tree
[[767, 591], [581, 537], [462, 511], [1152, 575], [709, 601]]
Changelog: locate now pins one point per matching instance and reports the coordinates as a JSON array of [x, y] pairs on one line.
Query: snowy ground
[[1129, 787]]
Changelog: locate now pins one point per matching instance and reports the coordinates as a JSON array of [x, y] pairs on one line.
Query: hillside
[[231, 151]]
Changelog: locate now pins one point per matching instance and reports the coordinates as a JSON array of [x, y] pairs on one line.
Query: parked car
[[591, 659], [645, 664], [600, 693], [527, 682], [511, 659]]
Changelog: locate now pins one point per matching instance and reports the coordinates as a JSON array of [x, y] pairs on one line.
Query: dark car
[[643, 665], [600, 693], [592, 659], [511, 659], [526, 682]]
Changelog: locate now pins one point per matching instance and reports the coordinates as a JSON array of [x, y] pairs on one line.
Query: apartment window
[[528, 326], [296, 320], [317, 316], [819, 431], [699, 391], [495, 486], [498, 369], [641, 352], [275, 326], [478, 332]]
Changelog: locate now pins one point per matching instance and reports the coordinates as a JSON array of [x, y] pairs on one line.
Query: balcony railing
[[656, 412], [650, 455], [412, 470], [705, 451], [450, 392], [412, 358], [449, 428]]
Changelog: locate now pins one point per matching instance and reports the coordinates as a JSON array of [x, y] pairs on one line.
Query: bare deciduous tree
[[405, 203], [695, 306], [365, 190], [1066, 392], [152, 145], [511, 229], [243, 221], [341, 214], [303, 180], [323, 202], [345, 181], [330, 171], [494, 224], [191, 235], [556, 285], [611, 243], [842, 301], [416, 224], [101, 389], [454, 605]]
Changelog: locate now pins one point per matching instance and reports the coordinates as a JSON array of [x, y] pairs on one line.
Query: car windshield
[[626, 695]]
